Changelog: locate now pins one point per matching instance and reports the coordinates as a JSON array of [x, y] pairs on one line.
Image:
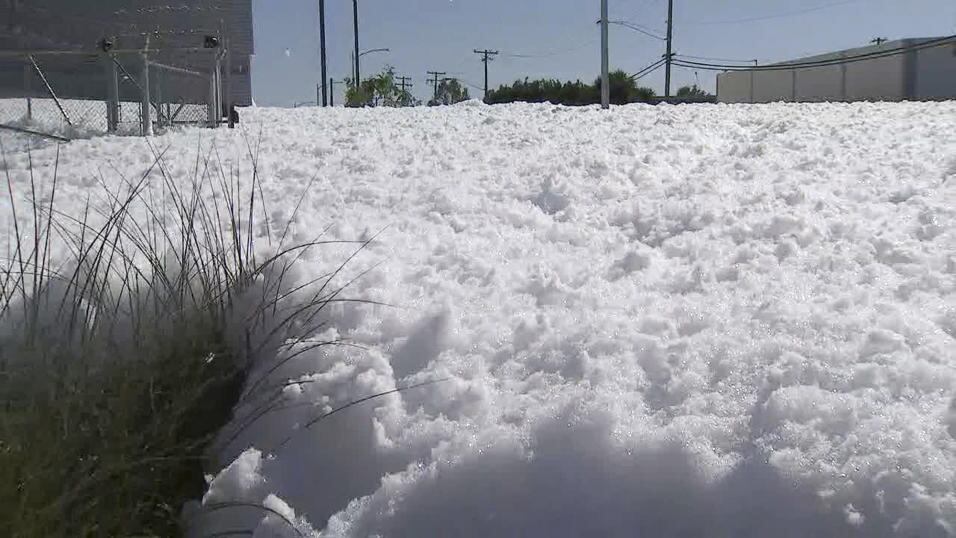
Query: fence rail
[[71, 93]]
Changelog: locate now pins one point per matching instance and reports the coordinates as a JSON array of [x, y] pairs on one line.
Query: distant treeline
[[624, 90]]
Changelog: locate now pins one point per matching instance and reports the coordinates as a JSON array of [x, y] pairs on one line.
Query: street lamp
[[374, 50], [357, 81], [322, 53]]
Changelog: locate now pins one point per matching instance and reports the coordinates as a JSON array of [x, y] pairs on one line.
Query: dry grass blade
[[217, 507], [351, 404], [122, 400]]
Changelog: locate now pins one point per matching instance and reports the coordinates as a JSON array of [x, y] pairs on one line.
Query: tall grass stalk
[[128, 333]]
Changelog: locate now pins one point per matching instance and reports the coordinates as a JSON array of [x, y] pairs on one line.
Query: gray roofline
[[896, 43]]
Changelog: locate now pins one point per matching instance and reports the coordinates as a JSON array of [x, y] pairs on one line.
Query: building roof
[[885, 46]]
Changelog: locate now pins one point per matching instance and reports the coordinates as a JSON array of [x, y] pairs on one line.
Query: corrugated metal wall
[[77, 24]]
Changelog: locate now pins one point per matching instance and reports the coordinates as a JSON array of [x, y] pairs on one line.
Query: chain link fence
[[74, 94]]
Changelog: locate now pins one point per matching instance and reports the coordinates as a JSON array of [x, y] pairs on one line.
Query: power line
[[777, 16], [712, 59], [332, 83], [437, 78], [487, 55], [466, 83], [550, 54], [823, 63], [405, 81], [647, 70], [643, 27], [638, 29], [643, 74], [832, 61], [647, 4]]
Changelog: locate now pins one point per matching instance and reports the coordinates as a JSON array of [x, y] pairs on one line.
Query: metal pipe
[[35, 133], [173, 69], [49, 90]]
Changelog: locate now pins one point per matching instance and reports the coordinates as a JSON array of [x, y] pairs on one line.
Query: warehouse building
[[906, 69], [45, 25]]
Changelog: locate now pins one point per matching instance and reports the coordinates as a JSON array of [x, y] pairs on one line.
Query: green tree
[[378, 90], [692, 92], [406, 99], [623, 90], [450, 91]]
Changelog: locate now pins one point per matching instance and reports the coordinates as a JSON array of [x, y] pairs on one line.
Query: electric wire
[[820, 63]]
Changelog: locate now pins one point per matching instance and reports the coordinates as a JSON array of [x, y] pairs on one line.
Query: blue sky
[[559, 38]]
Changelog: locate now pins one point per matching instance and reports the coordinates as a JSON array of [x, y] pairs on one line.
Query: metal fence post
[[219, 97], [159, 76], [215, 97], [228, 87], [27, 90], [112, 89], [147, 120], [211, 101]]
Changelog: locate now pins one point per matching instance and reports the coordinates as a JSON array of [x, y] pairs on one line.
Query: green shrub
[[119, 365]]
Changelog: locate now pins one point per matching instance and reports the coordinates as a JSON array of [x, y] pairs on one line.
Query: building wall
[[880, 79], [76, 24], [819, 84], [734, 88], [925, 74], [770, 86], [936, 73]]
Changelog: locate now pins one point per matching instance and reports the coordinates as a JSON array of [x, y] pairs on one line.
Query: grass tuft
[[128, 334]]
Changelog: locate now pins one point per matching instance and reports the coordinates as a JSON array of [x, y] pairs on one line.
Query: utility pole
[[332, 84], [879, 41], [670, 53], [486, 58], [605, 61], [406, 82], [439, 76], [325, 74], [358, 73]]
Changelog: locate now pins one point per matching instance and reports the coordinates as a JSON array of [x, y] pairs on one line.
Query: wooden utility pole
[[406, 82], [605, 62], [439, 76], [670, 52], [325, 73], [358, 73], [486, 57]]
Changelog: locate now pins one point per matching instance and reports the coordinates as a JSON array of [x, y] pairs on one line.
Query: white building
[[912, 74]]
